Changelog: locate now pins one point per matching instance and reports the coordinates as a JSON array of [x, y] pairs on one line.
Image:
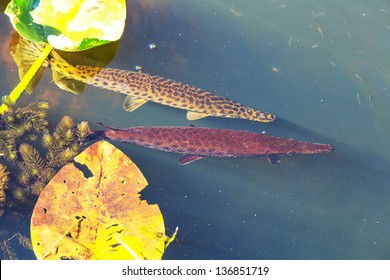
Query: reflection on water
[[322, 68]]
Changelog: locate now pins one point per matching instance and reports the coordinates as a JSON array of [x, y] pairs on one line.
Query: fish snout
[[317, 148]]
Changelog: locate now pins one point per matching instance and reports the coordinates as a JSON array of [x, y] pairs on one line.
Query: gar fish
[[142, 87], [195, 143]]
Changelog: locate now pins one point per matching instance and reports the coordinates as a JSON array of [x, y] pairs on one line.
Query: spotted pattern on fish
[[160, 90], [210, 142]]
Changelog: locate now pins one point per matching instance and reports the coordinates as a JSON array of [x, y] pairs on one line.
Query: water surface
[[322, 68]]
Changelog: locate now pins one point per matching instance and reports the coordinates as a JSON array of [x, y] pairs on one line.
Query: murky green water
[[322, 68]]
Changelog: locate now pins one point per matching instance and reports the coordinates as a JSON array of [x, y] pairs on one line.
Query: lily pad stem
[[18, 90]]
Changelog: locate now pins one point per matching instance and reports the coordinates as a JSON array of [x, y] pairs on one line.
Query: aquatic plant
[[7, 249], [65, 142], [31, 153], [3, 185], [19, 122], [36, 160]]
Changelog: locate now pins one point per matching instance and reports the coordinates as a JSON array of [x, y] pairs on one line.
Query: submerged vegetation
[[7, 246], [3, 185], [33, 151], [33, 168]]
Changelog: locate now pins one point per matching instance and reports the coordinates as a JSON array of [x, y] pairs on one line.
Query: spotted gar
[[142, 87], [195, 143]]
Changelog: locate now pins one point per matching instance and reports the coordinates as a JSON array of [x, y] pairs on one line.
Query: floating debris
[[372, 95], [235, 12], [345, 23], [139, 68], [290, 40], [152, 46], [281, 6], [316, 15], [320, 31], [357, 76], [358, 98], [332, 63]]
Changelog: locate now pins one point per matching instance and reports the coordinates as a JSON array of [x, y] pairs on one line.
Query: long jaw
[[313, 148]]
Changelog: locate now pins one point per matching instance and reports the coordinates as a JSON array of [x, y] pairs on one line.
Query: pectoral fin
[[186, 159], [132, 102], [34, 82], [68, 84], [195, 115], [273, 159]]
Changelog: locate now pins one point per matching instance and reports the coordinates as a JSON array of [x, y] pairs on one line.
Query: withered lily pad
[[91, 209]]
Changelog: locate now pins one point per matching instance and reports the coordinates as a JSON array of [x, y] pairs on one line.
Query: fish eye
[[291, 153]]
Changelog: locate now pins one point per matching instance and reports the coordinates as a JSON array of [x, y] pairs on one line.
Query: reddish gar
[[195, 143]]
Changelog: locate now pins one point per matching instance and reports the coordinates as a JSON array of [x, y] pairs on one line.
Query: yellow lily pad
[[91, 209], [70, 25]]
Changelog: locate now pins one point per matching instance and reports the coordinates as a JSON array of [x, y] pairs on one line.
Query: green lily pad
[[70, 25]]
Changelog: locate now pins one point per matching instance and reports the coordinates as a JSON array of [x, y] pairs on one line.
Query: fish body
[[195, 143], [141, 87]]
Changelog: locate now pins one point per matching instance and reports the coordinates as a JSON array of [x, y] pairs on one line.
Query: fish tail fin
[[108, 133], [28, 51], [25, 53], [97, 135], [107, 127], [103, 125]]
